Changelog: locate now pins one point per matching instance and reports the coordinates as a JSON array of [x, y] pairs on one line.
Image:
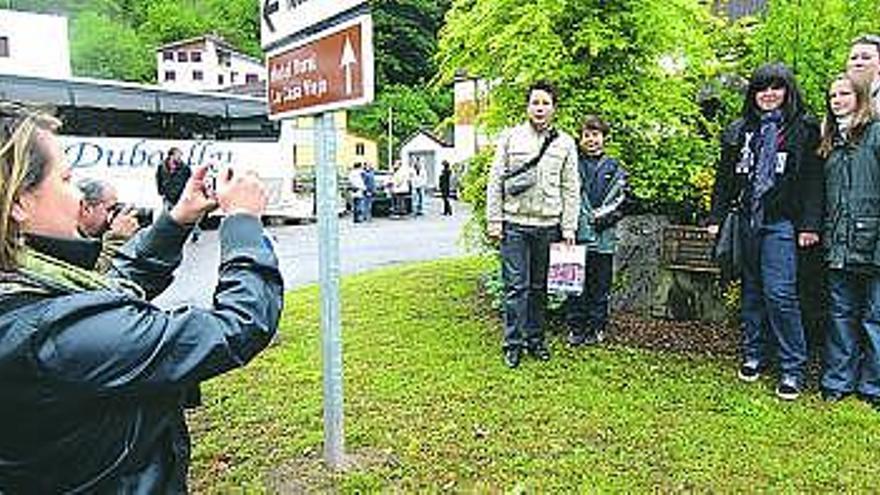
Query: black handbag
[[728, 249]]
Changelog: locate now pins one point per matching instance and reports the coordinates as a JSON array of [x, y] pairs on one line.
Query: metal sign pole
[[328, 261]]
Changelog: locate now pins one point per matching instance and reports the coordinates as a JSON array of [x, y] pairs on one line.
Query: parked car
[[382, 196]]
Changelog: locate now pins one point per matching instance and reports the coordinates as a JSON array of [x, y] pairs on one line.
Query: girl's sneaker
[[788, 390], [749, 372]]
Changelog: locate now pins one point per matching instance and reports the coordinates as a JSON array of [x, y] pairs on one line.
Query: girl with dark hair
[[770, 168], [851, 145]]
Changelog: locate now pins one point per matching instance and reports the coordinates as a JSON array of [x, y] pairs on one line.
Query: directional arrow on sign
[[269, 8], [348, 59]]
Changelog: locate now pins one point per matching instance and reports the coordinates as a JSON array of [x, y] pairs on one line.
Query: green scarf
[[40, 274]]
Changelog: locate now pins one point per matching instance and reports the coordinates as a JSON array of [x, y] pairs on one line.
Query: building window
[[182, 56], [4, 46], [233, 77], [170, 75], [251, 78], [359, 149], [168, 56], [195, 57], [220, 80], [224, 58], [198, 75]]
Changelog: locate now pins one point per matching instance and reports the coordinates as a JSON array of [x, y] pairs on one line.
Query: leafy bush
[[813, 38], [640, 64]]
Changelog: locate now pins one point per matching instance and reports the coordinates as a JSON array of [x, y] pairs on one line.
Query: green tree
[[239, 23], [813, 38], [103, 48], [413, 109], [405, 39], [639, 63], [132, 29]]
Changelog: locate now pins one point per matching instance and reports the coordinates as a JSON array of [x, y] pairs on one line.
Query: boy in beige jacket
[[533, 197]]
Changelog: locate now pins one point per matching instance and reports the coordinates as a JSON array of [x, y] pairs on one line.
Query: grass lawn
[[427, 394]]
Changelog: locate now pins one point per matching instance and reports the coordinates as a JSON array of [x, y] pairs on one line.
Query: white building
[[34, 45], [429, 151], [206, 63], [471, 97]]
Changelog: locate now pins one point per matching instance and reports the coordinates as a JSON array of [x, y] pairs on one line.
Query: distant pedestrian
[[603, 197], [445, 183], [171, 178], [851, 145], [401, 188], [357, 189], [419, 185], [533, 191], [369, 177]]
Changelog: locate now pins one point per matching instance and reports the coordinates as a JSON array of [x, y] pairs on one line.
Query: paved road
[[362, 247]]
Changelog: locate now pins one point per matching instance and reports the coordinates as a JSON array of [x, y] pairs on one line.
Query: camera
[[144, 216], [211, 179]]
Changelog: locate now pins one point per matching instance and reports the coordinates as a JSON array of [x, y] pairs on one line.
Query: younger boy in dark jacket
[[603, 194]]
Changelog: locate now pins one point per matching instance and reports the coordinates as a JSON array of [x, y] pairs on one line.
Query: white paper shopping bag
[[567, 269]]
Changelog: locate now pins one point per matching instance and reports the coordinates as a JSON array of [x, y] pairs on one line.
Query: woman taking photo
[[769, 167], [851, 144], [93, 375]]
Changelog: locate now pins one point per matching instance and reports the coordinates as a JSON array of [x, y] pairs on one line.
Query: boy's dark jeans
[[525, 254], [588, 311]]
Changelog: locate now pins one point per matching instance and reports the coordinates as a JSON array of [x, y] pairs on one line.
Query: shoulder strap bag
[[728, 249], [517, 181]]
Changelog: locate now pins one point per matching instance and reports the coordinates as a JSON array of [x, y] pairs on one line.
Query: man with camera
[[103, 218]]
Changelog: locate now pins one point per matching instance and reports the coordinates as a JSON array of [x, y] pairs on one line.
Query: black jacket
[[92, 381], [445, 181], [170, 183], [797, 194]]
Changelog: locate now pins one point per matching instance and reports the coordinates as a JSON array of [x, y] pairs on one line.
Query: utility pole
[[390, 137]]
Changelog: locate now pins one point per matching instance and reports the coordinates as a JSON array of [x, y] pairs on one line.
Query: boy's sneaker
[[539, 352], [788, 390], [749, 372], [871, 400], [832, 395], [576, 339], [512, 357], [594, 338]]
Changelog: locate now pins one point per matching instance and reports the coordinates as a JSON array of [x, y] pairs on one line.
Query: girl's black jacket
[[798, 192]]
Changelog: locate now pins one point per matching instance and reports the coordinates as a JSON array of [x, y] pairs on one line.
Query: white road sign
[[282, 18]]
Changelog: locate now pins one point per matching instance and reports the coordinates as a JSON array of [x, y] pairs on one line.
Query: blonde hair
[[22, 167], [863, 115]]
